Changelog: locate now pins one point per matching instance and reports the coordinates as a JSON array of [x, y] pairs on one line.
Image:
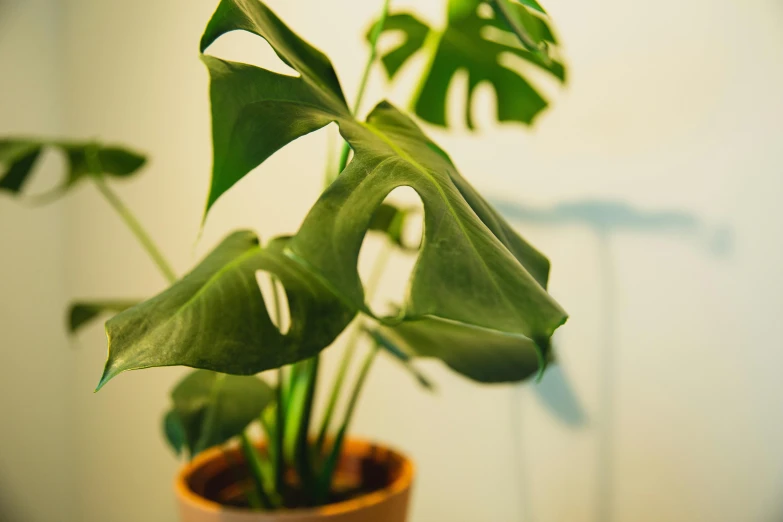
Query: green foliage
[[215, 317], [82, 313], [472, 268], [480, 354], [18, 158], [211, 408], [477, 297], [469, 44]]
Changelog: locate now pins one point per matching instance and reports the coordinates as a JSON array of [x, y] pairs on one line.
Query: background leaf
[[18, 158], [390, 220], [81, 313], [466, 44], [210, 408]]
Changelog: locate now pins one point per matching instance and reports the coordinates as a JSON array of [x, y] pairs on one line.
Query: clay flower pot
[[207, 486]]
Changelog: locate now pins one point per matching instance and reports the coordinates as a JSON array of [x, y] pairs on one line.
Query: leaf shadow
[[606, 218]]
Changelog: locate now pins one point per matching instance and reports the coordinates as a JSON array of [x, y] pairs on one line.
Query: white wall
[[36, 459], [672, 106]]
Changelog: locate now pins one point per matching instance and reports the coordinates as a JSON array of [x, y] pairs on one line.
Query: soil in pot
[[369, 479]]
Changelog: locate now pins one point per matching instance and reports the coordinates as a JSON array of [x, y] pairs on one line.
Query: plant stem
[[372, 283], [280, 418], [304, 462], [136, 228], [256, 473], [374, 36], [325, 480]]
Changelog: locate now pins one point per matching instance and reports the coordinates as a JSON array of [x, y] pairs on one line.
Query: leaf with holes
[[469, 44], [82, 313], [215, 317], [18, 158], [472, 267], [211, 408]]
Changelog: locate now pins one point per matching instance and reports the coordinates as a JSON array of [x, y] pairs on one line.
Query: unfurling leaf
[[18, 158], [211, 408], [468, 44], [472, 269], [81, 313], [215, 317]]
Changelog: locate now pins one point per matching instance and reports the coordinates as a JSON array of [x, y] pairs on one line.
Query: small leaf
[[216, 318], [81, 313], [174, 431], [212, 408], [398, 353], [18, 158]]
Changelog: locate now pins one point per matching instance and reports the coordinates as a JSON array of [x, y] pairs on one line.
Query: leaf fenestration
[[215, 317], [466, 45], [472, 267]]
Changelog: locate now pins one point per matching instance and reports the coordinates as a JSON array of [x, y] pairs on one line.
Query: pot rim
[[401, 484]]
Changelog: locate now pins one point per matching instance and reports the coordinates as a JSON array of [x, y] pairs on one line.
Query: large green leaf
[[18, 158], [82, 313], [472, 268], [215, 317], [211, 408], [466, 45]]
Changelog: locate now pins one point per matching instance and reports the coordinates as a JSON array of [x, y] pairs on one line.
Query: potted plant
[[476, 299]]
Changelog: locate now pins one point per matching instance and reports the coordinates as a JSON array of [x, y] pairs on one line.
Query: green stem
[[256, 473], [303, 457], [372, 283], [280, 418], [136, 228], [325, 480], [374, 36]]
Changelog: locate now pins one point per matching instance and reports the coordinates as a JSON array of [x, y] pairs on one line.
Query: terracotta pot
[[209, 482]]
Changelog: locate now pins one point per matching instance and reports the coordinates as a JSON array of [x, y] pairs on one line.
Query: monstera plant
[[476, 299]]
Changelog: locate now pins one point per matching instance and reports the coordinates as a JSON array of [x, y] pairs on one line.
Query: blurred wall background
[[653, 183]]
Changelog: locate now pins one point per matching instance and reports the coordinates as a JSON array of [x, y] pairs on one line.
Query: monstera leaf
[[215, 317], [211, 408], [472, 269], [482, 355], [18, 158], [83, 313], [467, 44]]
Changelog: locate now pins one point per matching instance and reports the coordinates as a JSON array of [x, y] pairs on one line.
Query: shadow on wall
[[604, 218]]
